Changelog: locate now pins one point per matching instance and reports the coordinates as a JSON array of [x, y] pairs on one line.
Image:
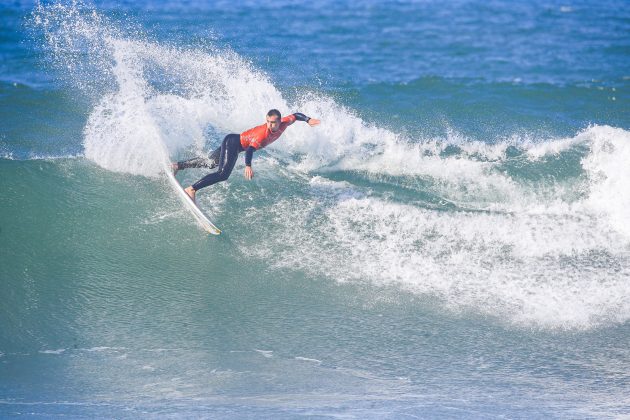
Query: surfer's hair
[[273, 112]]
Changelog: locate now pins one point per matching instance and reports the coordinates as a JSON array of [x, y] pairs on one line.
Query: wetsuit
[[225, 156]]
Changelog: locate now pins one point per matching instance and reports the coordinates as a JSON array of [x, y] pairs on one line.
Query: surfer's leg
[[197, 162], [207, 180], [230, 149], [214, 157], [229, 156], [210, 162]]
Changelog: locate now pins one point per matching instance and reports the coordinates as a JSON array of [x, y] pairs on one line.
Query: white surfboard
[[190, 205]]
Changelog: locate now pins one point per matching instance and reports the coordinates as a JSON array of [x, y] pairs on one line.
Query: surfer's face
[[273, 123]]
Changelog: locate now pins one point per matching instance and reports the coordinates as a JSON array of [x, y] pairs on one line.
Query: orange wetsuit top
[[260, 136]]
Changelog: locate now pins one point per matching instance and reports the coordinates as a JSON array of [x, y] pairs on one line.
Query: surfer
[[248, 141]]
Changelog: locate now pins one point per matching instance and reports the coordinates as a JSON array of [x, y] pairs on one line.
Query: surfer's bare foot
[[174, 168], [190, 192]]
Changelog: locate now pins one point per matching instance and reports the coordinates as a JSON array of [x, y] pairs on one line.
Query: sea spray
[[609, 172]]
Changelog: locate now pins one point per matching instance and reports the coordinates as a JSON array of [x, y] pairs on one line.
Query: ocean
[[452, 241]]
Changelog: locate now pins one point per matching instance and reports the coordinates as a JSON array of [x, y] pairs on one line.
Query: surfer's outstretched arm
[[301, 117]]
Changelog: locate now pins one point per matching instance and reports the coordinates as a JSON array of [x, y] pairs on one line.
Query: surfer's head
[[273, 120]]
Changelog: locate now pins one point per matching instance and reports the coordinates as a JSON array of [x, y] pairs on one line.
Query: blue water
[[451, 242]]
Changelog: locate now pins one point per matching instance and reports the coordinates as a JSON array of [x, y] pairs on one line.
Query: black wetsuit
[[224, 157]]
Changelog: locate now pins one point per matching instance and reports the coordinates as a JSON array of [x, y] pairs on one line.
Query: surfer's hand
[[313, 122], [249, 173]]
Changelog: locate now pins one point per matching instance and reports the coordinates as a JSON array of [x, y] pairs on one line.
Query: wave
[[529, 229]]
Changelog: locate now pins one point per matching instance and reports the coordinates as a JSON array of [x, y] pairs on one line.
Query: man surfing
[[248, 141]]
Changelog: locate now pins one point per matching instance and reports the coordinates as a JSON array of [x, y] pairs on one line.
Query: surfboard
[[190, 205]]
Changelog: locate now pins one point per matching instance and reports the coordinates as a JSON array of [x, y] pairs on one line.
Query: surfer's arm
[[301, 117], [249, 153]]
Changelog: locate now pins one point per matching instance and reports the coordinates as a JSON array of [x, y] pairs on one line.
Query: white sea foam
[[103, 348], [58, 351], [534, 260], [551, 253], [546, 270], [266, 353], [308, 359], [5, 152], [608, 169]]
